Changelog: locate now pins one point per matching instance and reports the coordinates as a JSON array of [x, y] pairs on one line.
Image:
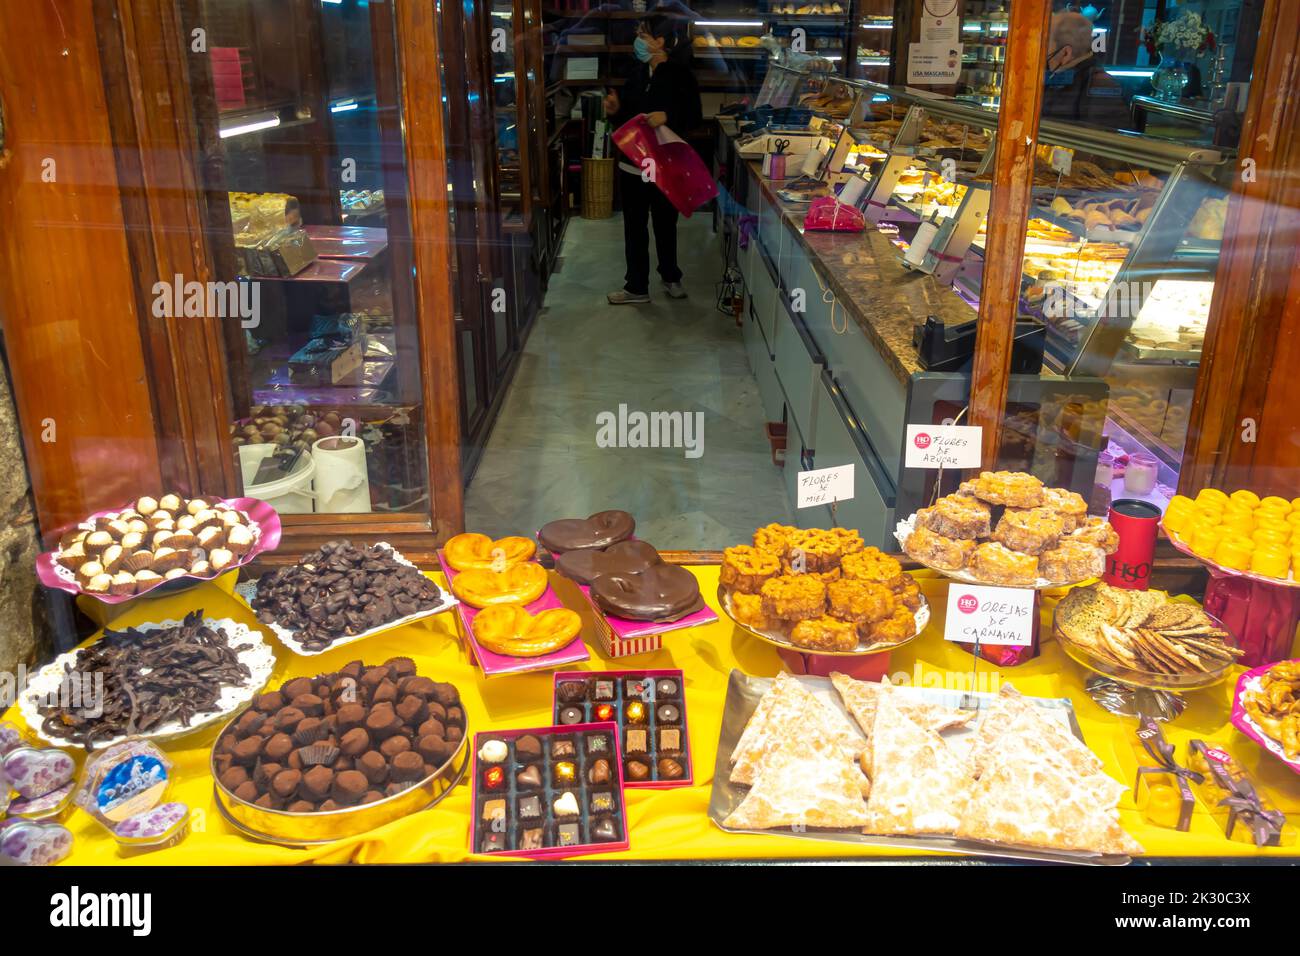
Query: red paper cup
[[1136, 522]]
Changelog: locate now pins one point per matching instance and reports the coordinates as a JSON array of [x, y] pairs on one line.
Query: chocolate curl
[[1266, 825], [1162, 752]]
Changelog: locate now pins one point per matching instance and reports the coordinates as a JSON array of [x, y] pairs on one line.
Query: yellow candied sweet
[[1272, 561], [1238, 522], [1264, 515], [1164, 803], [1273, 502], [1295, 504], [1205, 540], [1178, 514], [1295, 565], [1211, 495], [1234, 552], [1244, 497], [1293, 518], [1270, 537]]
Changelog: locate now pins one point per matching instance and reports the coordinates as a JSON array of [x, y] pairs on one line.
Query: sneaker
[[623, 297], [674, 290]]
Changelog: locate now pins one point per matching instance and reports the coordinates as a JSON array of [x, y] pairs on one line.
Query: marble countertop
[[863, 269]]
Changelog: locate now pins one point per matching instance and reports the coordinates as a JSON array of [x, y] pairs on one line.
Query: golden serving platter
[[313, 829], [782, 641]]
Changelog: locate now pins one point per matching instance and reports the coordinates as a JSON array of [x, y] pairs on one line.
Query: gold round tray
[[311, 829], [777, 639], [1132, 677]]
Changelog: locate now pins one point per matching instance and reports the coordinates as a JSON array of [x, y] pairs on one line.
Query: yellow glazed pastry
[[1273, 502], [1247, 498], [1205, 540], [1211, 495], [1178, 514], [1272, 533], [1238, 522], [1234, 553], [1274, 562], [1295, 504]]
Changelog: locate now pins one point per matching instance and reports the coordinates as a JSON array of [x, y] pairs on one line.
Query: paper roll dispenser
[[951, 348]]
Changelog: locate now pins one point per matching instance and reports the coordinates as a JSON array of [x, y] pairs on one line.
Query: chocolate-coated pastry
[[626, 557], [664, 592], [596, 531]]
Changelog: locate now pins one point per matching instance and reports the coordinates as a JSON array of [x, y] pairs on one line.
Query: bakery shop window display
[[1007, 528], [1240, 532], [820, 590]]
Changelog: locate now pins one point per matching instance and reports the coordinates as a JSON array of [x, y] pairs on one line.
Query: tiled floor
[[584, 358]]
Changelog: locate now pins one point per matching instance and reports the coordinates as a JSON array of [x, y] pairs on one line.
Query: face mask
[[641, 49]]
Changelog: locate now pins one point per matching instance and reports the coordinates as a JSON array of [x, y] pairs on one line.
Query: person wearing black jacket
[[664, 89], [1078, 89]]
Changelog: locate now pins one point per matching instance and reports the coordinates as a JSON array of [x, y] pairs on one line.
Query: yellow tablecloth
[[664, 824]]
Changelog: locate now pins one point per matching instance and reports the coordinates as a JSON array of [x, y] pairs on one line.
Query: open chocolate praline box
[[517, 818], [662, 696]]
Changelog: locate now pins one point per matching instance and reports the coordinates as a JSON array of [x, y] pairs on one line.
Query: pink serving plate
[[266, 537], [543, 734], [1243, 722], [493, 663], [689, 778]]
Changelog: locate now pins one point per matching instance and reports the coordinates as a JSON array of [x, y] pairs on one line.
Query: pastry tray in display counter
[[254, 653], [494, 664], [743, 695], [247, 591], [311, 829], [904, 531], [782, 641], [624, 637], [264, 523], [1289, 581], [1250, 681]]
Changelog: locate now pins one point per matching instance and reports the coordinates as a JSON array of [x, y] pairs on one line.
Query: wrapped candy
[[1240, 807], [1164, 791]]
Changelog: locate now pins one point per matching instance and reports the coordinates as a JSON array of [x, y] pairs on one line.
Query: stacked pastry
[[1024, 781], [1007, 528], [822, 589]]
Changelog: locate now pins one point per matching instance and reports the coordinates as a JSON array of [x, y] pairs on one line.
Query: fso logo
[[922, 440], [968, 604]]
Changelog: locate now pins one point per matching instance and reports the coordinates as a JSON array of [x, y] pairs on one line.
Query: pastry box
[[548, 793], [649, 708], [494, 664]]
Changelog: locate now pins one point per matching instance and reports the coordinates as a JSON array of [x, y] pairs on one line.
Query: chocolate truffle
[[385, 693], [412, 710], [493, 751], [636, 770], [296, 687], [604, 690], [268, 801], [494, 778], [249, 749], [301, 806], [634, 712], [310, 705], [494, 841], [530, 808], [532, 839], [433, 749], [670, 739], [422, 687], [374, 766], [310, 730], [668, 714], [372, 796], [568, 834], [285, 783], [599, 771], [494, 810], [562, 747], [564, 772], [349, 786], [602, 802], [408, 766], [316, 783], [597, 744], [269, 702], [665, 688], [566, 805], [349, 716], [444, 693], [382, 721], [246, 791], [278, 747], [400, 667], [604, 830], [265, 773], [669, 769], [530, 778], [636, 742], [355, 742], [528, 747], [394, 745], [233, 777], [603, 712], [249, 723], [431, 728], [571, 715]]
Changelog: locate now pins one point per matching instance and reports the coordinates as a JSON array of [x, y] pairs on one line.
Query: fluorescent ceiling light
[[252, 127], [344, 106], [335, 2], [877, 26], [1138, 71], [728, 23]]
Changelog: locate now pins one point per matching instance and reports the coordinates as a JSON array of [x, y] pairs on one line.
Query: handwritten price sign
[[825, 485], [943, 446], [989, 615]]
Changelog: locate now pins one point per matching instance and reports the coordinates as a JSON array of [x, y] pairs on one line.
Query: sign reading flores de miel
[[218, 300], [637, 429]]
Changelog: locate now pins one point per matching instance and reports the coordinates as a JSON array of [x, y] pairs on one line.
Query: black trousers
[[642, 204]]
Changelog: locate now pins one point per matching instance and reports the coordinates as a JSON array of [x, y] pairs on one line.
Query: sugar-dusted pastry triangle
[[919, 784], [1030, 794], [787, 702], [861, 698], [1005, 710], [805, 781]]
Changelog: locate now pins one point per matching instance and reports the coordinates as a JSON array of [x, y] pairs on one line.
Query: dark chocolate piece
[[596, 531], [665, 688], [407, 766], [494, 810], [636, 742], [530, 808], [634, 712], [602, 802], [604, 830], [571, 715], [494, 841], [668, 714], [597, 744], [564, 772], [530, 778], [569, 834], [636, 688], [636, 770], [562, 747], [670, 769], [494, 778], [670, 739], [604, 690], [625, 557], [572, 691], [528, 747], [532, 839], [603, 712], [599, 771]]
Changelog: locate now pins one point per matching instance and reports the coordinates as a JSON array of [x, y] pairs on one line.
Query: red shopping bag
[[672, 165]]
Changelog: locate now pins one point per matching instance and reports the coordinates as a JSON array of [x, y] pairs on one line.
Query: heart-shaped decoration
[[509, 629], [45, 805], [662, 592], [521, 584], [471, 551], [626, 557], [596, 531], [34, 844], [10, 737], [34, 773]]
